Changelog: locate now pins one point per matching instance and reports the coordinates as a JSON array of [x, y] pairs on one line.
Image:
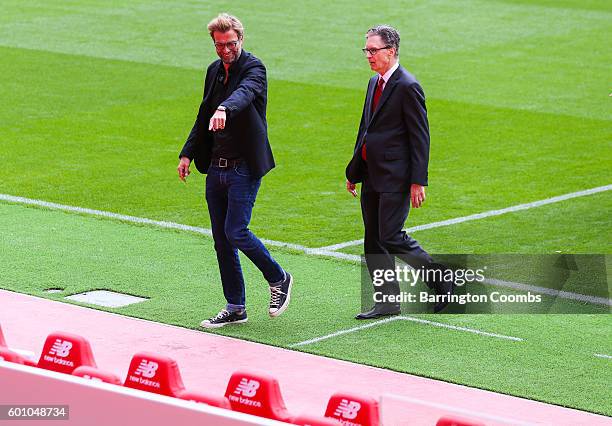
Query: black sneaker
[[280, 295], [224, 318]]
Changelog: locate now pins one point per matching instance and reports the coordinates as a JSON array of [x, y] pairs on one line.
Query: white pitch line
[[483, 215], [603, 356], [335, 254], [132, 219], [297, 247], [405, 318], [167, 225], [466, 329], [345, 244], [341, 332], [550, 291], [101, 213]]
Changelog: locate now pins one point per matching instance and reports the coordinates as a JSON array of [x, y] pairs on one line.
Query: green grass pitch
[[98, 97]]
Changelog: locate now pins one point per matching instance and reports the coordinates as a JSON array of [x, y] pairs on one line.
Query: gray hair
[[389, 35]]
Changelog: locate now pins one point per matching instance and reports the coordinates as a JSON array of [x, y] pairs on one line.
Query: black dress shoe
[[380, 311], [442, 287]]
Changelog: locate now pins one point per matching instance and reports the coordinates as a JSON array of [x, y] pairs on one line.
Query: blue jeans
[[230, 194]]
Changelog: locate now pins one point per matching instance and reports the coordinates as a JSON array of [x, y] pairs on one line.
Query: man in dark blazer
[[229, 143], [390, 160]]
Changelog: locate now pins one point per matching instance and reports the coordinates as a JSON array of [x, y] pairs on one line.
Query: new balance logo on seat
[[247, 387], [348, 409], [61, 348], [147, 369]]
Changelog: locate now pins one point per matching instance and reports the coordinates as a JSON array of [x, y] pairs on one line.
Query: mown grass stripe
[[484, 215], [297, 247]]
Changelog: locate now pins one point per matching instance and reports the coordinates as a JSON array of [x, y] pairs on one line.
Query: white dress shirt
[[387, 75]]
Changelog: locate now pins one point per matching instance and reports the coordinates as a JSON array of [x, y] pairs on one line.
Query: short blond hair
[[224, 23]]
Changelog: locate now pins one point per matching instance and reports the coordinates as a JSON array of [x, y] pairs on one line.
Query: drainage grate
[[106, 298]]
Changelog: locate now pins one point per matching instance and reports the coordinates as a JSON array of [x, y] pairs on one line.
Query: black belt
[[224, 162]]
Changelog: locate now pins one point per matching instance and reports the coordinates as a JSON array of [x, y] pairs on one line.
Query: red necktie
[[377, 95]]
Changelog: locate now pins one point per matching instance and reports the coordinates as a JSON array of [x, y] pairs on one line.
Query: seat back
[[457, 421], [92, 373], [306, 420], [2, 341], [353, 409], [257, 394], [205, 398], [7, 355], [64, 352], [154, 373]]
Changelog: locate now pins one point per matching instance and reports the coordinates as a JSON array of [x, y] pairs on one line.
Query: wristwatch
[[221, 108]]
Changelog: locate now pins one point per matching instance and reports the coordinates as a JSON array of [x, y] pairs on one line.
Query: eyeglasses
[[374, 50], [230, 45]]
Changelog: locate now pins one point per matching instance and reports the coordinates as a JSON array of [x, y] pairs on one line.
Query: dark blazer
[[396, 136], [246, 116]]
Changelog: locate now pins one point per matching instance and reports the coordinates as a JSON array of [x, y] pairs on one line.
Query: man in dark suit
[[229, 143], [390, 160]]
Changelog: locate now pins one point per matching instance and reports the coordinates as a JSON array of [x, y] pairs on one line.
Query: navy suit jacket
[[396, 136], [246, 116]]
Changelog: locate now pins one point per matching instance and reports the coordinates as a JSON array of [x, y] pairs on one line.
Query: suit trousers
[[384, 215]]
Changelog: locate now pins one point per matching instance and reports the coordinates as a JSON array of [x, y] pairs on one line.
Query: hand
[[183, 168], [217, 121], [417, 195], [350, 187]]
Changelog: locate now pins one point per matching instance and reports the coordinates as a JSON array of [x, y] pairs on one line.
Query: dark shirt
[[224, 146], [246, 118]]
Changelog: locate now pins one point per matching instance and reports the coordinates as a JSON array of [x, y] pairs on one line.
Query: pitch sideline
[[406, 318], [327, 252], [484, 215]]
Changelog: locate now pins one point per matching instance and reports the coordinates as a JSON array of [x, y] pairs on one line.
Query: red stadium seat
[[92, 373], [353, 409], [64, 352], [10, 355], [457, 421], [2, 341], [257, 394], [7, 355], [154, 373], [29, 362], [215, 401], [305, 420]]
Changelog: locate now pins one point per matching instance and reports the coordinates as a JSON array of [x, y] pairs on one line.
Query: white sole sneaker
[[208, 324], [282, 309]]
